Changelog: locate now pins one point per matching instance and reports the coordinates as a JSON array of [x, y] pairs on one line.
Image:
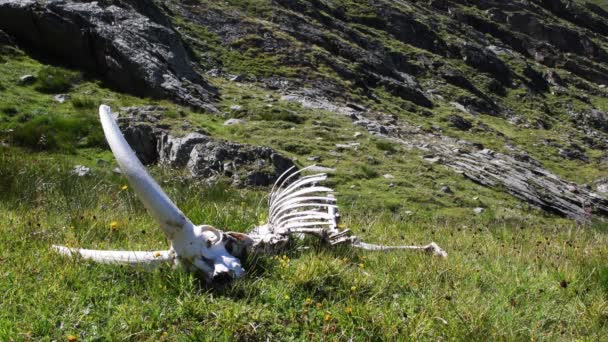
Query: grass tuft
[[54, 80]]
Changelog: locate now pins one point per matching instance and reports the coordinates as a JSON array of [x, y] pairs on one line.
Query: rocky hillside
[[437, 102]]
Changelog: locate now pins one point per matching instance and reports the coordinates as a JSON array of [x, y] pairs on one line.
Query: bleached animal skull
[[296, 207]]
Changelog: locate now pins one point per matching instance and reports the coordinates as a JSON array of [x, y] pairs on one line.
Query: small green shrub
[[258, 8], [55, 80], [296, 148], [278, 114], [368, 172], [9, 111], [55, 132], [385, 145], [83, 102]]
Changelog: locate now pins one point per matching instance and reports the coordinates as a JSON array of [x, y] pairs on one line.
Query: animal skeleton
[[297, 206]]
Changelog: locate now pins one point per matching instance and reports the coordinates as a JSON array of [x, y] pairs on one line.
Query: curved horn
[[170, 218]]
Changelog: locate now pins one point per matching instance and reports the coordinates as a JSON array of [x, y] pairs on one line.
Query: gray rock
[[235, 78], [446, 190], [250, 165], [321, 169], [233, 122], [236, 108], [573, 152], [101, 162], [26, 80], [460, 107], [203, 156], [61, 98], [348, 146], [485, 60], [432, 159], [601, 185], [518, 174], [388, 176], [81, 170], [175, 151], [478, 210], [143, 141], [459, 122], [127, 49]]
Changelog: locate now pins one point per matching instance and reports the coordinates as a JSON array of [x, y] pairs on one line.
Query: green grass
[[54, 80], [507, 278], [513, 272]]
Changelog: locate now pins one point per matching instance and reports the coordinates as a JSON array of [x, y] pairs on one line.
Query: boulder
[[175, 151], [61, 98], [596, 119], [245, 164], [128, 50], [204, 156], [459, 122], [485, 60], [81, 170], [233, 122], [143, 141], [574, 152], [478, 210]]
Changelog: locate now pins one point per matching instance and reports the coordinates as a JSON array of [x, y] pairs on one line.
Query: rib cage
[[301, 204]]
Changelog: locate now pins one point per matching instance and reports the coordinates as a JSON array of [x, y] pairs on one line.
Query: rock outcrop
[[204, 156], [127, 49], [517, 173]]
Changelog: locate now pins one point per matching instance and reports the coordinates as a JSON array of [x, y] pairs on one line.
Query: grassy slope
[[518, 278], [513, 273]]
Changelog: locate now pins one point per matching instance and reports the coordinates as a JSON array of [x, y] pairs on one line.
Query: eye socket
[[211, 235]]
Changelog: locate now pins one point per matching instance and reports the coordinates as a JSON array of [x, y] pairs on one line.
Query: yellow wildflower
[[319, 305], [72, 338], [327, 316], [348, 310], [113, 225], [353, 288], [308, 301], [124, 187]]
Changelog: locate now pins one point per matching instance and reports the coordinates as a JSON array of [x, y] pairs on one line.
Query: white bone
[[284, 203], [301, 205], [121, 257], [431, 247], [274, 193], [302, 218], [313, 204], [297, 185], [170, 218]]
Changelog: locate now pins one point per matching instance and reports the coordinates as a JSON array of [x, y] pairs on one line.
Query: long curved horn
[[170, 218]]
